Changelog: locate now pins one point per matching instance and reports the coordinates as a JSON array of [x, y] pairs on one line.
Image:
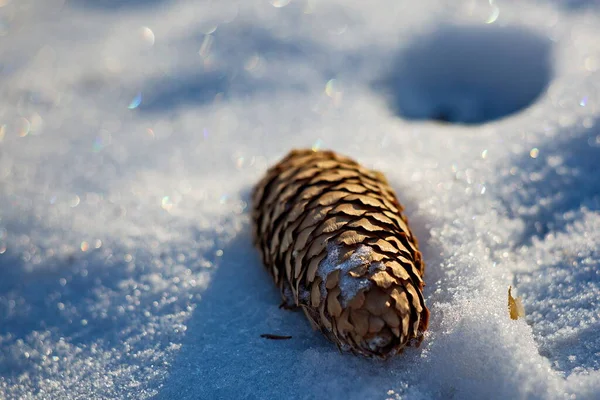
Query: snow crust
[[348, 284], [131, 133]]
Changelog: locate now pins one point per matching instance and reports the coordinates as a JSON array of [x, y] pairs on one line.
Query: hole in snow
[[469, 74]]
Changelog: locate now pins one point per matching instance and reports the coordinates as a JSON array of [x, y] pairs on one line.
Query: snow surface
[[132, 132]]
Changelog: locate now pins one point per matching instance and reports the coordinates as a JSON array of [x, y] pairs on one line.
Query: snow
[[348, 284], [131, 133]]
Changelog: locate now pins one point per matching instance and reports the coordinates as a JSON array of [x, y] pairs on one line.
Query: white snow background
[[131, 133]]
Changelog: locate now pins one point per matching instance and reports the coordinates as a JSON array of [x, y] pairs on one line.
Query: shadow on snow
[[468, 74], [562, 179]]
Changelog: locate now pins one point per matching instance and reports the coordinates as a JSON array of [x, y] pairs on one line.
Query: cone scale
[[333, 237]]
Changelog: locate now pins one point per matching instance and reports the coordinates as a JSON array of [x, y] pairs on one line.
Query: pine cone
[[332, 235]]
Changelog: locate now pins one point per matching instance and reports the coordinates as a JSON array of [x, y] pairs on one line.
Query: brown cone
[[332, 235]]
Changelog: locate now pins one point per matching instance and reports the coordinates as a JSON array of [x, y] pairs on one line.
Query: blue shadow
[[563, 178], [578, 5], [234, 45], [114, 5], [240, 304], [468, 74], [31, 299], [81, 297]]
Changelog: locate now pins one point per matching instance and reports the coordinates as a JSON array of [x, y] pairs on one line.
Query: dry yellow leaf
[[515, 307]]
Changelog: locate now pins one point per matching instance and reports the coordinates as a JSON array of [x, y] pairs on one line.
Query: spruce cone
[[332, 235]]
